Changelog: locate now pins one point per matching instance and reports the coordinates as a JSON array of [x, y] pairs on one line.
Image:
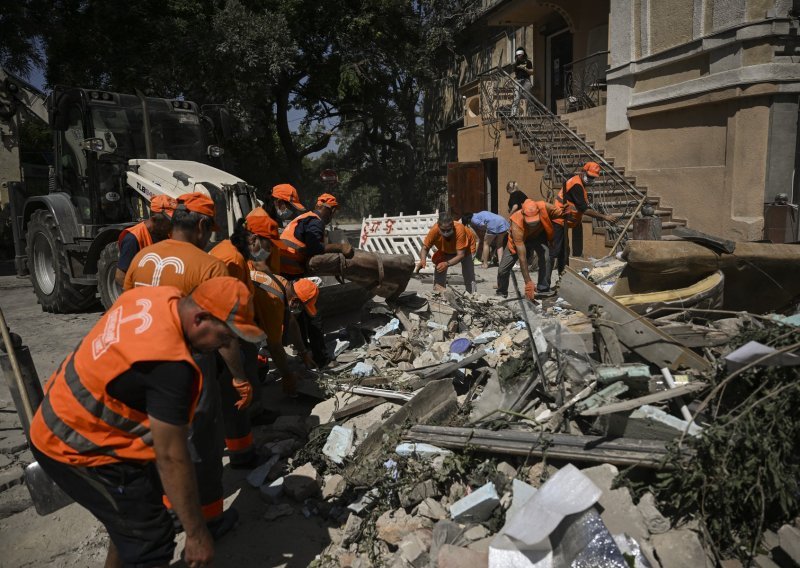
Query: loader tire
[[47, 263], [106, 270]]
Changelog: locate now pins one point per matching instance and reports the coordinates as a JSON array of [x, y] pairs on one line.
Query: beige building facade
[[697, 100]]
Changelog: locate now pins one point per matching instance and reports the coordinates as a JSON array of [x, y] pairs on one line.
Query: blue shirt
[[311, 232], [492, 222]]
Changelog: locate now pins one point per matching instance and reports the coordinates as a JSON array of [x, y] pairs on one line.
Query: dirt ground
[[71, 537]]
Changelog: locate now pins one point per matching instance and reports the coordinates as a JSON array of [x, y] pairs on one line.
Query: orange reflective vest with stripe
[[78, 422], [139, 230], [572, 215], [545, 223], [293, 256]]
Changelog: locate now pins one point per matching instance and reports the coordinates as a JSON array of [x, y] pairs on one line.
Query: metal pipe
[[148, 141], [671, 384]]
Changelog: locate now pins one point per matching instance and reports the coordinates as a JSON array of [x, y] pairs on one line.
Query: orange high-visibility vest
[[573, 215], [237, 264], [139, 230], [78, 422], [293, 256], [545, 224]]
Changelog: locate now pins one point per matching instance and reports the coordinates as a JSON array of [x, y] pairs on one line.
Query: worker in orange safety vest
[[180, 261], [287, 203], [152, 230], [112, 428], [574, 200], [455, 244], [531, 233]]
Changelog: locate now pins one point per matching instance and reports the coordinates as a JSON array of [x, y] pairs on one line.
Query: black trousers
[[560, 249], [534, 246]]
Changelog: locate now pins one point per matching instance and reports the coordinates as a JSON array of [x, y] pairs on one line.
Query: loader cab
[[97, 132]]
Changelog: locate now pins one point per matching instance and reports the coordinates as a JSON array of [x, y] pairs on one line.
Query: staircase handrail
[[490, 113]]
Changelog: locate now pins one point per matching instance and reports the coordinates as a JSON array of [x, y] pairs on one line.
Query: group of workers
[[532, 228], [135, 420]]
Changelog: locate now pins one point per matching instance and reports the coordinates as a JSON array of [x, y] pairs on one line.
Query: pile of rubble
[[453, 427]]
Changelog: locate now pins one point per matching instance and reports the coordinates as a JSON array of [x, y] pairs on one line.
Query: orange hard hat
[[199, 203], [327, 200], [592, 169], [530, 211], [262, 225], [287, 192], [307, 292], [162, 204], [228, 299]]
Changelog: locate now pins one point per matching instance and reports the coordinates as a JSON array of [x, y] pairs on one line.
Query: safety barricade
[[397, 234]]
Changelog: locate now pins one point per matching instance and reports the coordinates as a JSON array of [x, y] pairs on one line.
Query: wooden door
[[466, 187]]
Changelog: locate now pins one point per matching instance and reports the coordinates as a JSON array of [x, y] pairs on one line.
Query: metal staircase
[[560, 152]]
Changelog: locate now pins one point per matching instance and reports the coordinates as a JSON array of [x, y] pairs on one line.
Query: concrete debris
[[339, 444], [477, 506], [278, 511], [679, 548], [302, 483], [334, 486], [273, 492], [459, 557], [431, 509], [393, 526], [258, 476], [789, 539]]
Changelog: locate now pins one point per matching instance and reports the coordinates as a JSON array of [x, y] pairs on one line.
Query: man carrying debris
[[303, 238], [452, 247], [574, 199], [152, 230], [116, 412], [180, 261], [287, 203], [491, 229], [531, 233]]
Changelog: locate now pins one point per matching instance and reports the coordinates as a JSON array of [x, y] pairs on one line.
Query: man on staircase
[[574, 200]]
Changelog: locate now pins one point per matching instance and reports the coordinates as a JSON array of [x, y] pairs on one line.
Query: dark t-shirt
[[162, 389], [516, 198], [127, 250], [575, 196], [520, 75], [311, 231]]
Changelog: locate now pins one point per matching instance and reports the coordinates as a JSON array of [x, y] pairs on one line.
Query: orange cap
[[592, 169], [287, 192], [530, 211], [162, 204], [327, 200], [307, 292], [262, 225], [228, 299], [199, 203]]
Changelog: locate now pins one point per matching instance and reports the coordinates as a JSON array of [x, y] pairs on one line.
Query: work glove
[[245, 390], [347, 250], [441, 267], [530, 291]]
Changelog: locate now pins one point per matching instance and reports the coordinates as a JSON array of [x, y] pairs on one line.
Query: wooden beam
[[358, 406], [634, 331]]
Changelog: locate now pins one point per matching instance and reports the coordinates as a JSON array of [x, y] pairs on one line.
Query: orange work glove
[[245, 390], [530, 291]]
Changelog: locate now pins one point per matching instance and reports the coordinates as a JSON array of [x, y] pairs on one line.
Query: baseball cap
[[287, 192], [307, 292], [592, 169], [162, 204], [228, 299], [530, 211], [327, 200], [199, 203], [262, 225]]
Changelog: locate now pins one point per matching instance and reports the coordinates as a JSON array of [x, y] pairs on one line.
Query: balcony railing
[[585, 82]]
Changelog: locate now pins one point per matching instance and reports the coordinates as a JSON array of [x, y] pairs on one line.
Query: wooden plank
[[446, 369], [635, 403], [383, 393], [594, 449], [358, 406], [634, 331]]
